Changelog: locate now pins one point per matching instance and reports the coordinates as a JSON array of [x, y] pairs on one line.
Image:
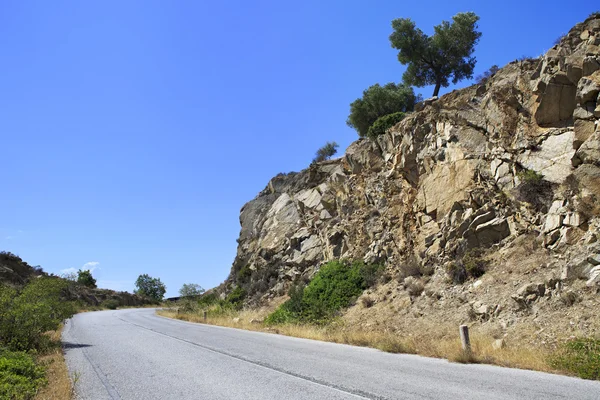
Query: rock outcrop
[[478, 168]]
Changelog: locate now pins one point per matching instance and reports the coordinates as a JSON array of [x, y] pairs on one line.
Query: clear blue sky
[[132, 132]]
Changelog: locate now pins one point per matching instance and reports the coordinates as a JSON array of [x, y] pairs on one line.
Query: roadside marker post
[[464, 338]]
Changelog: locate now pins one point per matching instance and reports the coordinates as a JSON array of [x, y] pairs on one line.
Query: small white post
[[464, 338]]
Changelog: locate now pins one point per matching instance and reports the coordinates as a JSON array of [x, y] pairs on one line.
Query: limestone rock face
[[447, 179]]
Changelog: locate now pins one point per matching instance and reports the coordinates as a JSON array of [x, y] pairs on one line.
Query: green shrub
[[282, 316], [111, 304], [236, 298], [26, 315], [382, 124], [207, 300], [244, 275], [334, 287], [85, 278], [531, 177], [581, 357], [291, 310], [471, 265], [378, 101], [483, 78], [534, 189], [456, 272], [22, 272], [474, 264], [326, 152], [219, 309], [20, 378]]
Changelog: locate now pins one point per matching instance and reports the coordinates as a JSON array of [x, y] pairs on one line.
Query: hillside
[[483, 205], [17, 273]]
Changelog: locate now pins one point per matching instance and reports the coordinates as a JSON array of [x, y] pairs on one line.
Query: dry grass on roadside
[[59, 385], [433, 340]]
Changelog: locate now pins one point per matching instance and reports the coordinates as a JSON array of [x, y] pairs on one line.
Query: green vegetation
[[150, 287], [379, 101], [580, 357], [20, 378], [211, 303], [334, 287], [243, 275], [382, 124], [483, 78], [26, 314], [433, 60], [85, 278], [236, 298], [326, 152], [471, 265], [111, 304], [534, 189], [21, 271], [191, 290], [207, 300], [531, 177]]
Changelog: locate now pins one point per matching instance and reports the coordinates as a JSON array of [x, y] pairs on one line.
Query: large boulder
[[556, 100], [589, 151], [445, 185], [553, 159], [588, 88], [487, 233]]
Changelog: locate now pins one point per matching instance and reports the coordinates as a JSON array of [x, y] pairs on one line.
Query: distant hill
[[17, 273]]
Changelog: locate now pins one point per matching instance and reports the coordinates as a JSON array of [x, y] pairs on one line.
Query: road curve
[[135, 354]]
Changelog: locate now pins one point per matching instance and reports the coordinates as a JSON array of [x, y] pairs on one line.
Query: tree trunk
[[438, 84]]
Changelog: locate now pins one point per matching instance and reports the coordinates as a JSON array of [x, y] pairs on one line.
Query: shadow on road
[[68, 345]]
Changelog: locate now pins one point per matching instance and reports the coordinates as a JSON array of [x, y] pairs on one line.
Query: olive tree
[[437, 59], [378, 101], [326, 152]]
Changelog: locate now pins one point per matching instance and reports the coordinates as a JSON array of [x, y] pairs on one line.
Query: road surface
[[135, 354]]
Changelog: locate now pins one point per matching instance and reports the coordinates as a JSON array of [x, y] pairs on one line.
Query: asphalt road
[[135, 354]]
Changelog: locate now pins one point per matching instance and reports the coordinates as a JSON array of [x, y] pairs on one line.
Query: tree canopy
[[378, 101], [384, 123], [326, 152], [434, 60], [150, 287], [191, 289], [85, 278]]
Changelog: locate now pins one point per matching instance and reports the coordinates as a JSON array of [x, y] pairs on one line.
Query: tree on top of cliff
[[433, 60], [326, 152], [378, 101]]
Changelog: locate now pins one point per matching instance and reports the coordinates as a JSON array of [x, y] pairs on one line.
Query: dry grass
[[59, 383], [434, 340]]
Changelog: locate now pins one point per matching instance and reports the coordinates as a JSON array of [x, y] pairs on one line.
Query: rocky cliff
[[506, 172]]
